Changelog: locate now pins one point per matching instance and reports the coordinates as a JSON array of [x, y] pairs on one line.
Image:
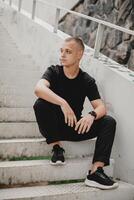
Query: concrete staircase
[[67, 191], [19, 137]]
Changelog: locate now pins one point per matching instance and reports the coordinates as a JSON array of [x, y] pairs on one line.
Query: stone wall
[[117, 45]]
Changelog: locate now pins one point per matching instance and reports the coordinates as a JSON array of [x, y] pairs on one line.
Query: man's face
[[70, 53]]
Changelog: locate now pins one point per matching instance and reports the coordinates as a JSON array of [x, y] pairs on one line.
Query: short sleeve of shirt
[[49, 75], [91, 88]]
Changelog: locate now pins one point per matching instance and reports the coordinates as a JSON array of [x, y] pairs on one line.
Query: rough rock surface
[[115, 44]]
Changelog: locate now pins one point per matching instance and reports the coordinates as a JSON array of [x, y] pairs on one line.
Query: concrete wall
[[118, 94], [44, 11], [116, 85]]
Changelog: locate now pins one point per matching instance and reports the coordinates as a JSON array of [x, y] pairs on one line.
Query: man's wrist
[[93, 113], [62, 102]]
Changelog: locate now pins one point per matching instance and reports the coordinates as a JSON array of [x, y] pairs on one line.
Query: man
[[62, 91]]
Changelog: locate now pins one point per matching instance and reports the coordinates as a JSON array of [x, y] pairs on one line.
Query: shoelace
[[101, 173], [58, 150]]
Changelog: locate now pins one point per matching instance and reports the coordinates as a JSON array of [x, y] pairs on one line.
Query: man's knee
[[107, 126], [39, 104], [110, 121], [43, 107]]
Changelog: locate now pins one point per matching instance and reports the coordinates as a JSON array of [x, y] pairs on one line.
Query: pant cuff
[[49, 141], [104, 160]]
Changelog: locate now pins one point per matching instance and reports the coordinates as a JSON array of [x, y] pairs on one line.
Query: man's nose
[[63, 54]]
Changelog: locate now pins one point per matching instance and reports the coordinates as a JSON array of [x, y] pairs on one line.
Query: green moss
[[65, 182], [131, 75], [30, 158]]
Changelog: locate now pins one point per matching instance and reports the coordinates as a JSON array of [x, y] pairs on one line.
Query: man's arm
[[84, 124], [43, 91], [99, 108]]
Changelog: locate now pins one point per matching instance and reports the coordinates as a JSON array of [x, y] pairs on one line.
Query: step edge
[[26, 163], [40, 191]]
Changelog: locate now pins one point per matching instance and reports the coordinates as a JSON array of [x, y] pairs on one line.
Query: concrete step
[[19, 89], [41, 170], [23, 147], [4, 32], [11, 54], [19, 130], [8, 52], [19, 76], [22, 87], [25, 63], [11, 57], [20, 66], [13, 71], [17, 115], [72, 191], [9, 44], [20, 80], [28, 147], [17, 100]]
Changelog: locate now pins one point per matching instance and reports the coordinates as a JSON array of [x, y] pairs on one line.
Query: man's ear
[[80, 54]]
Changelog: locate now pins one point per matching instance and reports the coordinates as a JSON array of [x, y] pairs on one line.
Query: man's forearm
[[48, 95], [100, 111]]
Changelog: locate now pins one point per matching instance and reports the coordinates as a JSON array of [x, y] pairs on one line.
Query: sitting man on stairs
[[61, 93]]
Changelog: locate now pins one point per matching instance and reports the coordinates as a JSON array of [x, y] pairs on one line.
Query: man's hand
[[84, 124], [69, 115]]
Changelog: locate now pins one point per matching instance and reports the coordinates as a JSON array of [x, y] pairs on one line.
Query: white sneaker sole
[[58, 162], [100, 186]]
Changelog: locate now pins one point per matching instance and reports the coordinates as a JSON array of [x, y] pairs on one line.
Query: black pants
[[52, 126]]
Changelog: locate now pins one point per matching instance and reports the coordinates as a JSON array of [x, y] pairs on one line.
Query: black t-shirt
[[73, 90]]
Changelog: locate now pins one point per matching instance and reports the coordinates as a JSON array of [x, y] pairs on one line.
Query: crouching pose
[[61, 93]]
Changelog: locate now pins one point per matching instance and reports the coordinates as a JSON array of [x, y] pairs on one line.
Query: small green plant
[[65, 181], [29, 158]]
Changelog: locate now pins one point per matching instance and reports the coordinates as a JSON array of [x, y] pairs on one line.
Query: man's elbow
[[105, 110], [37, 91]]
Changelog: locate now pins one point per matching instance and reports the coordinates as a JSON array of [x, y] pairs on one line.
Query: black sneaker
[[100, 180], [57, 157]]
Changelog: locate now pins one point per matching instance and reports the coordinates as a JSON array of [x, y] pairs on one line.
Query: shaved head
[[71, 51], [78, 40]]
